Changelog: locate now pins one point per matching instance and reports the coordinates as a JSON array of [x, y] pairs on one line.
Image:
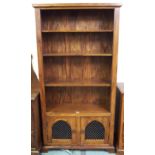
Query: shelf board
[[77, 109], [76, 31], [78, 84], [77, 54]]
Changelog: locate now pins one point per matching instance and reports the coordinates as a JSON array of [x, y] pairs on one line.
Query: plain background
[[136, 68]]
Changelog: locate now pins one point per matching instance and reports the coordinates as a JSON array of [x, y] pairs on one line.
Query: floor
[[69, 152]]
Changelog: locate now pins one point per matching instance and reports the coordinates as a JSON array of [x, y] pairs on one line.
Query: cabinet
[[35, 115], [77, 52], [119, 123]]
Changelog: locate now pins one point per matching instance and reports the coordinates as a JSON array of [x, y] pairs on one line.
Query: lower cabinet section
[[70, 130]]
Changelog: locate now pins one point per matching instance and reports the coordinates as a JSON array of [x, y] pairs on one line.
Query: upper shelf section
[[77, 20]]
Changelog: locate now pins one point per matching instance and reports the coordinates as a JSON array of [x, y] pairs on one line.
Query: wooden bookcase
[[77, 54]]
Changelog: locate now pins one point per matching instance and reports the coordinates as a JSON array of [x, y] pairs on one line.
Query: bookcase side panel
[[41, 76], [114, 73]]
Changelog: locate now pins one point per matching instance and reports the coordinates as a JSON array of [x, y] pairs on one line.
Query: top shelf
[[77, 20]]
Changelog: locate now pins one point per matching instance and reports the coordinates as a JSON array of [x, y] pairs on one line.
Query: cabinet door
[[94, 130], [61, 130]]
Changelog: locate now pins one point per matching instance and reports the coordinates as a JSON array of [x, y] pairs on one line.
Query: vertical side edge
[[41, 76], [114, 73]]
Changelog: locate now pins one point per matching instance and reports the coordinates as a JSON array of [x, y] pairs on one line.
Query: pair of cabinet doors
[[71, 130]]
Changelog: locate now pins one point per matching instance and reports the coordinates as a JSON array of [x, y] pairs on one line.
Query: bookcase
[[77, 55]]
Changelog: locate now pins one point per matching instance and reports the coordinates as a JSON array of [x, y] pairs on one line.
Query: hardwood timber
[[119, 122], [71, 121], [78, 109], [77, 100], [41, 78], [87, 43], [114, 73], [78, 84], [77, 5], [77, 20], [35, 115], [76, 31], [77, 56], [77, 69], [34, 85], [85, 121], [82, 147]]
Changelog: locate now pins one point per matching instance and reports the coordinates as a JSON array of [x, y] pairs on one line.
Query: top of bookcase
[[76, 5]]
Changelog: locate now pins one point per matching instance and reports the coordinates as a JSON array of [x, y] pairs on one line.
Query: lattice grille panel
[[94, 130], [61, 130]]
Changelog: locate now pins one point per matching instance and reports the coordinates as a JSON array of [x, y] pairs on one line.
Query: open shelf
[[92, 43], [77, 71], [81, 109], [77, 99], [77, 20], [77, 54], [78, 84]]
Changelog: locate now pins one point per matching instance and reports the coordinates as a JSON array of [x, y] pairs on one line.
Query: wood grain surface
[[77, 51]]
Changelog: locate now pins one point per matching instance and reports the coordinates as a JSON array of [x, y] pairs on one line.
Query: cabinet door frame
[[71, 122], [105, 121]]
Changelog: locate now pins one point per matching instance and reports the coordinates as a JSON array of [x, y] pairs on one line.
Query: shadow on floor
[[70, 152]]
